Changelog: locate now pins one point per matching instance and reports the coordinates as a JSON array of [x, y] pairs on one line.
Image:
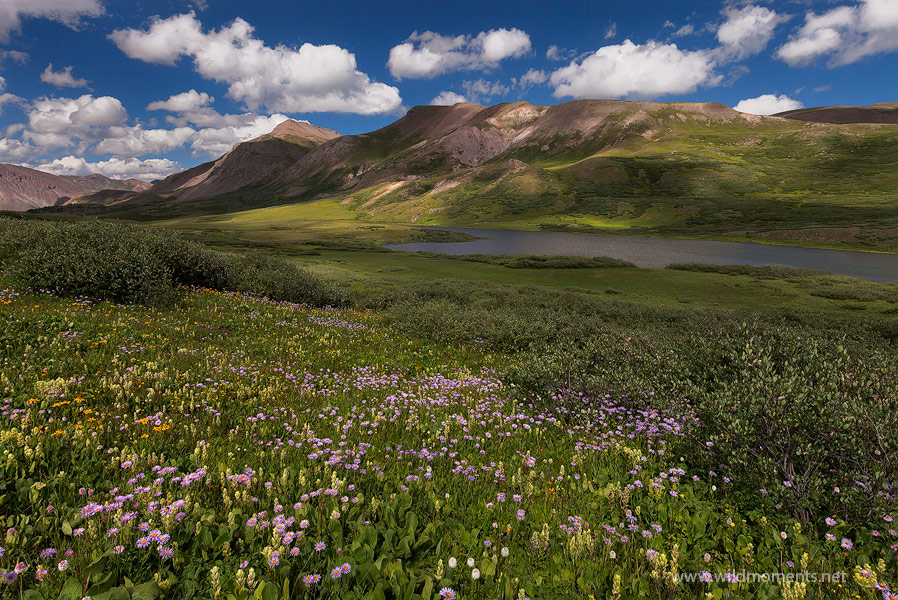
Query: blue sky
[[145, 88]]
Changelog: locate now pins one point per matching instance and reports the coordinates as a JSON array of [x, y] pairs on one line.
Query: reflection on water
[[656, 253]]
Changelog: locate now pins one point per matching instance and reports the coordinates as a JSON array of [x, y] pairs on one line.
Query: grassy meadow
[[425, 428]]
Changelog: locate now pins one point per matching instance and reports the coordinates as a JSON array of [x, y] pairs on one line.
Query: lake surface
[[657, 253]]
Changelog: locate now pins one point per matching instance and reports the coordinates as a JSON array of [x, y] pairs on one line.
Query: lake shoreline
[[658, 252]]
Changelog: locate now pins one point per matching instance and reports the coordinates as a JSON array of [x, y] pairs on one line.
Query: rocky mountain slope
[[256, 162], [22, 188], [97, 182]]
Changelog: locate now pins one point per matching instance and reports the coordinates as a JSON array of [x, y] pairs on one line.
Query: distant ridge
[[883, 112], [22, 188]]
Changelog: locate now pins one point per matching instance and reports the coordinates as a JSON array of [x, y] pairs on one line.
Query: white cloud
[[98, 125], [62, 78], [768, 104], [213, 133], [428, 54], [15, 56], [67, 12], [532, 77], [611, 31], [309, 79], [115, 168], [846, 34], [446, 98], [15, 151], [216, 140], [7, 98], [137, 141], [687, 29], [186, 101], [483, 90], [748, 30], [635, 70], [54, 122]]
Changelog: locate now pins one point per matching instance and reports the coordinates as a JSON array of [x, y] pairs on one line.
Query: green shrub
[[782, 395], [805, 420], [758, 271], [129, 263]]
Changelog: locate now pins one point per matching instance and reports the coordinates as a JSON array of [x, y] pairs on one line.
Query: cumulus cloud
[[845, 34], [135, 141], [100, 126], [115, 168], [308, 79], [186, 101], [213, 133], [55, 122], [62, 78], [768, 104], [6, 97], [428, 54], [636, 71], [653, 69], [446, 98], [531, 78], [217, 139], [748, 30], [15, 151], [67, 12]]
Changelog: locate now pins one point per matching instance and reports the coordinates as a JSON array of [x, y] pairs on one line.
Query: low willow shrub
[[129, 263], [800, 413], [759, 271]]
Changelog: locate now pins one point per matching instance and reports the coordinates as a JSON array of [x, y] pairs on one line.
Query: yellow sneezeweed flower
[[57, 432]]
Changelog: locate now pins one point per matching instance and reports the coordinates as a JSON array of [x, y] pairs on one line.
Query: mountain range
[[22, 188], [471, 163]]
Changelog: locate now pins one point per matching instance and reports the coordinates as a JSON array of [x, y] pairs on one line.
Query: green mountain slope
[[695, 169]]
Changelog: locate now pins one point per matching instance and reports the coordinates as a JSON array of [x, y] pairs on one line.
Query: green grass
[[326, 237], [365, 272]]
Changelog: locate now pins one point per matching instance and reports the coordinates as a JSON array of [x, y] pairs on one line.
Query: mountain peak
[[292, 130]]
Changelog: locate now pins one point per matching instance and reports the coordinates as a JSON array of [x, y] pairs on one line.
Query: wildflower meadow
[[229, 446]]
